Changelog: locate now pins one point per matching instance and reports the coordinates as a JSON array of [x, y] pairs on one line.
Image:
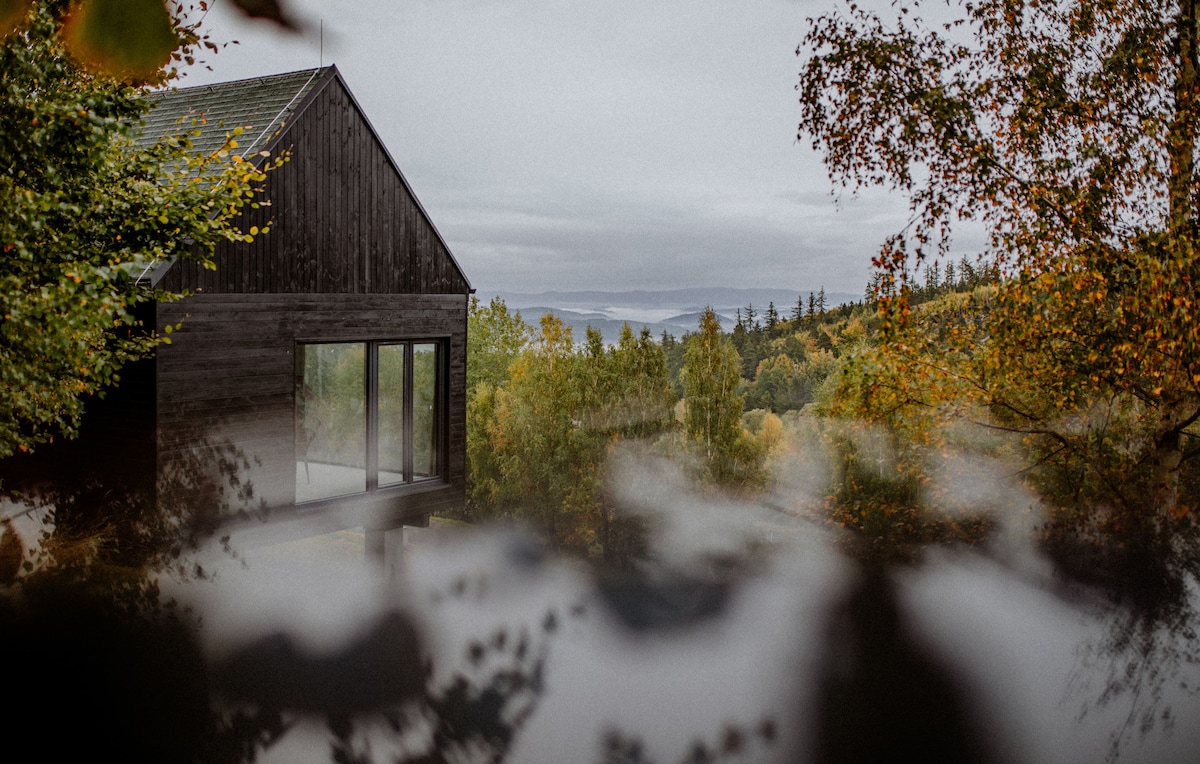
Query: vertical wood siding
[[342, 219]]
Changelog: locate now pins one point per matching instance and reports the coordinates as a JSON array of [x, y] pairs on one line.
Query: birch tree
[[1069, 131]]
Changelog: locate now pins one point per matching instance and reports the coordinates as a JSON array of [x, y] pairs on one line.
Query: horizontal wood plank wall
[[341, 220], [225, 384]]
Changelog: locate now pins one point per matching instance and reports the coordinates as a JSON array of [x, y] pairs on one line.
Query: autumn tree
[[85, 211], [1069, 132], [711, 375], [547, 463], [495, 336], [539, 434]]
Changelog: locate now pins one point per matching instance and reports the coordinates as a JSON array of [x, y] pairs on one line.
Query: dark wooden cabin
[[325, 362]]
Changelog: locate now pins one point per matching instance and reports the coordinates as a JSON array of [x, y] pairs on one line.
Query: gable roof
[[262, 105]]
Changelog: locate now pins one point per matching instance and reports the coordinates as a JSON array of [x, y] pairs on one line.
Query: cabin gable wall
[[342, 218]]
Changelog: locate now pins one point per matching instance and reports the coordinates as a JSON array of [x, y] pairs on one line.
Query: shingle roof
[[260, 105]]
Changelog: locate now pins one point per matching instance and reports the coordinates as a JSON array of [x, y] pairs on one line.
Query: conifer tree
[[772, 316], [798, 310]]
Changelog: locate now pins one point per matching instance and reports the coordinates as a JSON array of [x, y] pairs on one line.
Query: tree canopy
[[85, 212], [1069, 131], [542, 414]]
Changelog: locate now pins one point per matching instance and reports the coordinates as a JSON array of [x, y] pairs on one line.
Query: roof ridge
[[271, 123], [255, 78]]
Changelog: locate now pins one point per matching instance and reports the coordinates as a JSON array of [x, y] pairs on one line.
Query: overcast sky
[[613, 144]]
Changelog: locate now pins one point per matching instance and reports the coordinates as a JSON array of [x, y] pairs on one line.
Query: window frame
[[441, 394]]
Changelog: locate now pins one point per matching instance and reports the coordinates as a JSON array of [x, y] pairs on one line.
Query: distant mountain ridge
[[610, 328], [675, 311], [687, 300]]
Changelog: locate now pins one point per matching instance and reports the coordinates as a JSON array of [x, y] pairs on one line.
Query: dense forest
[[864, 377], [545, 409]]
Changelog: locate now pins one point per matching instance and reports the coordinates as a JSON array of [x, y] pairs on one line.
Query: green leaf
[[130, 39]]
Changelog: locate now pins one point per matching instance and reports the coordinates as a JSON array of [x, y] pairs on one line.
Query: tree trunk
[[1182, 137], [1179, 406], [1165, 460]]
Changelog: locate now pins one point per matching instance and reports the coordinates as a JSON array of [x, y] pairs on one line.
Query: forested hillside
[[545, 410]]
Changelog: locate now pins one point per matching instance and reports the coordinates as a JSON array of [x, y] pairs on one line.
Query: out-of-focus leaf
[[131, 39], [266, 9], [11, 14]]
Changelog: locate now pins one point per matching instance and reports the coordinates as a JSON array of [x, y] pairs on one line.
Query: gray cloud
[[609, 145]]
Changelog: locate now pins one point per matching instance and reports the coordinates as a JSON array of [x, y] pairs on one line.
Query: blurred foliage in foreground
[[132, 40]]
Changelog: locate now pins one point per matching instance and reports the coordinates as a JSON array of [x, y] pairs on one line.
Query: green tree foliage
[[634, 397], [84, 213], [785, 366], [713, 416], [710, 382], [547, 461], [540, 431], [494, 338], [1069, 131], [783, 369], [673, 349]]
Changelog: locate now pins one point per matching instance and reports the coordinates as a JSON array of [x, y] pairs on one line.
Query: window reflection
[[425, 407], [368, 414], [331, 421], [391, 413]]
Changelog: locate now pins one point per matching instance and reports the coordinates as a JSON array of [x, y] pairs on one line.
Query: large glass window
[[368, 416]]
